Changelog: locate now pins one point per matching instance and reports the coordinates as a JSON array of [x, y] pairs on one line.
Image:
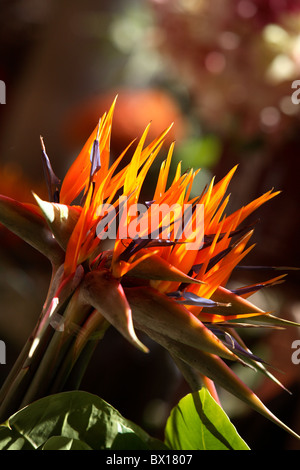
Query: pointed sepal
[[215, 368], [239, 304], [105, 293], [155, 311], [236, 303], [157, 269]]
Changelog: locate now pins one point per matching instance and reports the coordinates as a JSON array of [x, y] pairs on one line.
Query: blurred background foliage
[[222, 71]]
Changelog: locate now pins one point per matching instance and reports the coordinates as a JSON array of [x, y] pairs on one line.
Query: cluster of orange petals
[[105, 185]]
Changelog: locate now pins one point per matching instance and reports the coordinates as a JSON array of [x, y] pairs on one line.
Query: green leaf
[[72, 420], [199, 423], [64, 443]]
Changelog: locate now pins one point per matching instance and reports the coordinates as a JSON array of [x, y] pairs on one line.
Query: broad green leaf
[[199, 423], [73, 419], [64, 443]]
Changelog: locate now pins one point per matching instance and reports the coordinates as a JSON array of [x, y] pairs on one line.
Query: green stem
[[18, 381], [49, 356], [79, 354], [73, 380], [24, 354], [56, 355]]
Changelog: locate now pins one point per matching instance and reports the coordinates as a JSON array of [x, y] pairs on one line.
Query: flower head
[[160, 266]]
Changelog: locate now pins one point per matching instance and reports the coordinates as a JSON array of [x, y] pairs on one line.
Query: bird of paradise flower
[[148, 283]]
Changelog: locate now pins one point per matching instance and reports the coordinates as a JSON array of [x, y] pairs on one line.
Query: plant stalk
[[53, 357]]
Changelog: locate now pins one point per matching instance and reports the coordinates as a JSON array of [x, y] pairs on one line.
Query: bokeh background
[[222, 71]]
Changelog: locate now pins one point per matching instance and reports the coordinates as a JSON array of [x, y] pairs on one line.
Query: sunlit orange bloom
[[104, 186], [211, 265], [148, 281]]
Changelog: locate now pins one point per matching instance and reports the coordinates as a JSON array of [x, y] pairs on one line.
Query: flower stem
[[54, 357], [19, 379]]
